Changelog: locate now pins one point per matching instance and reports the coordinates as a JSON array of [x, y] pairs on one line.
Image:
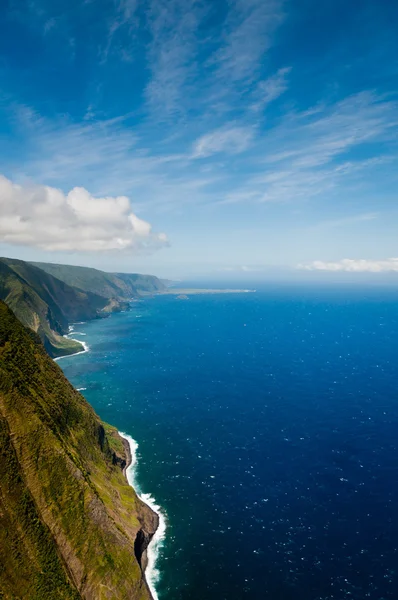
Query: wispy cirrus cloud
[[332, 130], [270, 89], [124, 16], [247, 36], [229, 139], [173, 26], [191, 71], [106, 158], [61, 150], [312, 153]]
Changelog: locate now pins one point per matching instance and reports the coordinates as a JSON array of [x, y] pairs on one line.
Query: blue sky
[[183, 137]]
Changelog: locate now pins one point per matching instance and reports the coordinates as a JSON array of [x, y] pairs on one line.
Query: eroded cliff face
[[70, 524], [48, 305], [149, 520]]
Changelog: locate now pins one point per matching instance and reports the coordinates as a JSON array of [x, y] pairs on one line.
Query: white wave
[[80, 389], [152, 574], [85, 346]]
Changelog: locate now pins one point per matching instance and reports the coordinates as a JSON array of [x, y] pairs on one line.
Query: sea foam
[[85, 346], [152, 573]]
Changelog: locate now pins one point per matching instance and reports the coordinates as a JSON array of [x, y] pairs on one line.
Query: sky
[[187, 137]]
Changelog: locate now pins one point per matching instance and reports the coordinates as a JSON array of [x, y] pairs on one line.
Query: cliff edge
[[70, 525]]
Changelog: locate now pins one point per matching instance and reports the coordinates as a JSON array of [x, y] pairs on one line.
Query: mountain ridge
[[47, 305], [49, 297], [122, 286]]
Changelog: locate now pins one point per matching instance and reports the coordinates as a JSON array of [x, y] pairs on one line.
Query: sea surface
[[267, 430]]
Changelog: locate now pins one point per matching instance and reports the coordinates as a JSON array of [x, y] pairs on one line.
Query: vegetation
[[47, 305], [68, 518], [115, 441], [122, 286]]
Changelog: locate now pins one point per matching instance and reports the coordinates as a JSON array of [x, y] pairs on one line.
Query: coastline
[[152, 538], [86, 347], [151, 552]]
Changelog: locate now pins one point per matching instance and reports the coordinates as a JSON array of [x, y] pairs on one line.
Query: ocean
[[266, 429]]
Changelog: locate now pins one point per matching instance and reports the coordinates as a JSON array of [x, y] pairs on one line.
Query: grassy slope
[[72, 303], [142, 283], [109, 285], [68, 518], [47, 304], [35, 313]]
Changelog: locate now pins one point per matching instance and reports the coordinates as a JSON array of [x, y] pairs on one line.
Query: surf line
[[84, 344], [152, 573]]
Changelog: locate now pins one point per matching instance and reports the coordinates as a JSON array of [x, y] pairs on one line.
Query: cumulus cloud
[[353, 265], [232, 140], [44, 217]]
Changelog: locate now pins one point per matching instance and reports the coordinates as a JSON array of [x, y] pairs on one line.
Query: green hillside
[[47, 305], [70, 525], [142, 283], [110, 285]]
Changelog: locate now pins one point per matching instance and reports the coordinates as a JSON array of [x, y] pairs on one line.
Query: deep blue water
[[267, 426]]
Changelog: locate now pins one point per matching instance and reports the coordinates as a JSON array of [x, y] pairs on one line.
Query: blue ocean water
[[267, 426]]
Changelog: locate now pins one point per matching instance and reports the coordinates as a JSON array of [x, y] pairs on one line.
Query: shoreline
[[150, 554], [86, 347], [151, 573]]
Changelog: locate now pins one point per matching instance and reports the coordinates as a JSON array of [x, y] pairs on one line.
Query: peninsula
[[200, 291]]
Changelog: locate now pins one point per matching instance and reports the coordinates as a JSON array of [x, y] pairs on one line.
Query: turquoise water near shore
[[267, 429]]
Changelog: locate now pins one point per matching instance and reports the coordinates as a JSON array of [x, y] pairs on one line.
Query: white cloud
[[173, 25], [44, 217], [333, 130], [248, 34], [196, 70], [270, 89], [232, 140], [353, 265], [311, 154]]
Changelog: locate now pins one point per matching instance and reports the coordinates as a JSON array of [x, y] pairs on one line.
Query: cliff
[[47, 305], [70, 525], [122, 286]]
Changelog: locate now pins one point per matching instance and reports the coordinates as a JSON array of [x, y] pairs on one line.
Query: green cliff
[[70, 525], [122, 286], [47, 305]]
